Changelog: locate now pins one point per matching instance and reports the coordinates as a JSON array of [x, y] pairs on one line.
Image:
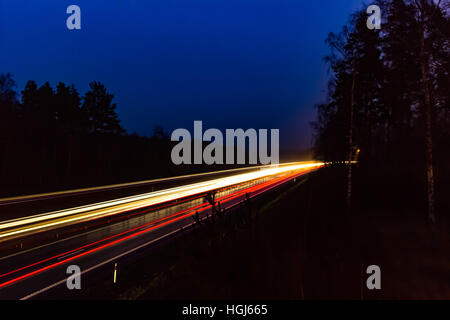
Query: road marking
[[70, 254], [99, 265], [121, 255], [111, 259]]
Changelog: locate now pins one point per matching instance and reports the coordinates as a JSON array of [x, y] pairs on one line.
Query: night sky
[[231, 63]]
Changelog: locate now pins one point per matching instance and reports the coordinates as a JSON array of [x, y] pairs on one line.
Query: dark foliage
[[390, 95], [55, 139]]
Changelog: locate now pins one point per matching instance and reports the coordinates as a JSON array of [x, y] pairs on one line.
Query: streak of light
[[151, 223], [17, 199], [46, 221], [133, 235]]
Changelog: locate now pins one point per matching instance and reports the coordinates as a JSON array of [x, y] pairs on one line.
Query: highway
[[36, 249]]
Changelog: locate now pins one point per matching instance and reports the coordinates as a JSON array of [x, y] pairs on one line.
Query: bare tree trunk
[[428, 126], [350, 146]]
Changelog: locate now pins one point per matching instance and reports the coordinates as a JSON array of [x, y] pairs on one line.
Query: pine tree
[[100, 110]]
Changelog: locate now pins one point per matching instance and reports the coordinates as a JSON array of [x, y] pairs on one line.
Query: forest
[[54, 139], [388, 102]]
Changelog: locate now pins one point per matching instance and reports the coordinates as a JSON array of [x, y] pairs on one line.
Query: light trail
[[46, 221], [165, 221], [199, 207], [43, 196]]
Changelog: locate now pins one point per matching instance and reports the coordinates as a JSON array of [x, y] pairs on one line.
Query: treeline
[[389, 96], [54, 139]]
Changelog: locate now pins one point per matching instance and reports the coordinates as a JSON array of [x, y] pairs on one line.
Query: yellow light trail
[[50, 220], [14, 199]]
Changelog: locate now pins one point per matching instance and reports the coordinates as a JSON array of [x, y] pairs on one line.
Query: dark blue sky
[[230, 63]]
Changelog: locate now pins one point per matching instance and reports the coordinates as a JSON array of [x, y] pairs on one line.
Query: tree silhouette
[[388, 93], [68, 111], [53, 139], [8, 119], [425, 14], [100, 110], [354, 109], [8, 95], [30, 102]]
